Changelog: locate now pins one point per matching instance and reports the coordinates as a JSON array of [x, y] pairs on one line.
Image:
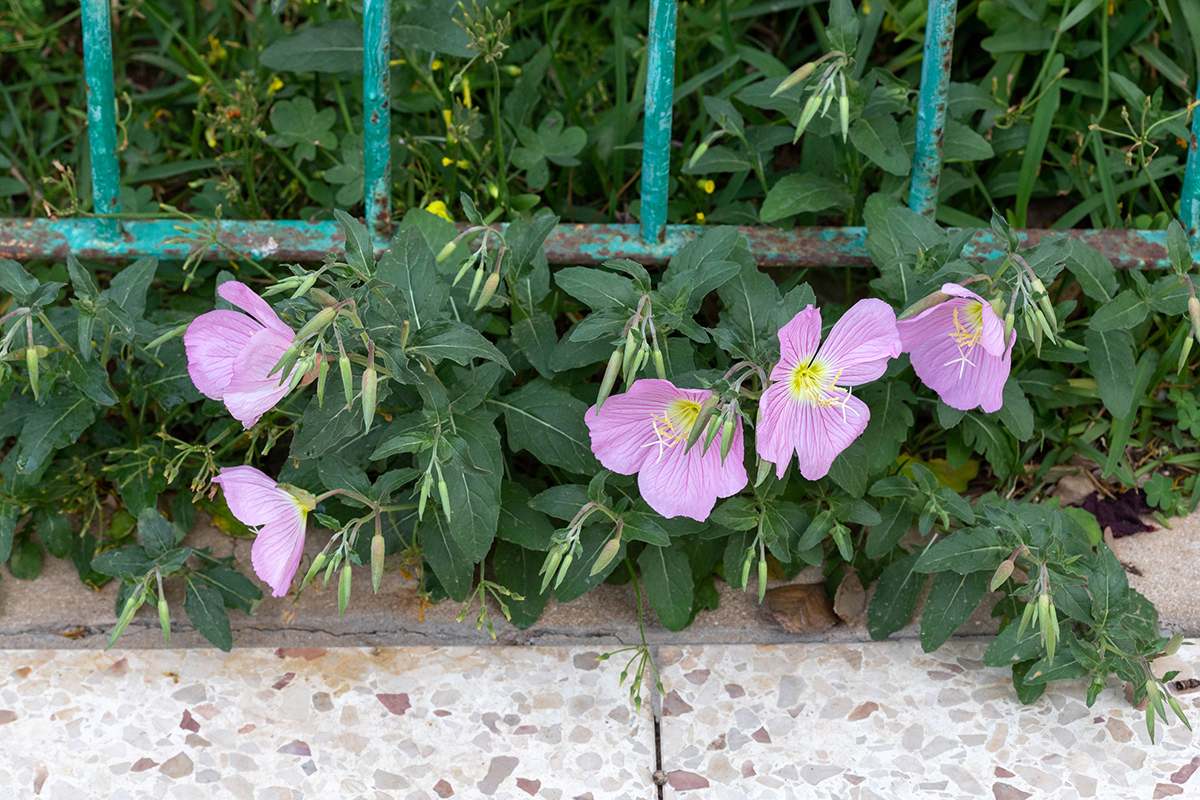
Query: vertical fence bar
[[1189, 203], [656, 139], [931, 106], [102, 113], [377, 115]]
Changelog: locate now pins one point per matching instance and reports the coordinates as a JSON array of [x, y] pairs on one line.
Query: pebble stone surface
[[262, 724], [739, 722], [885, 720]]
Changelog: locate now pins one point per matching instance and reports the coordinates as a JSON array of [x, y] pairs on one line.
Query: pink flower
[[808, 408], [229, 354], [957, 349], [645, 431], [279, 512]]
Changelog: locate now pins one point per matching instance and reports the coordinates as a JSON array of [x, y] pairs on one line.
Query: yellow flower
[[436, 65], [448, 116], [447, 161], [466, 89], [216, 50], [699, 217], [708, 186], [439, 208], [276, 85]]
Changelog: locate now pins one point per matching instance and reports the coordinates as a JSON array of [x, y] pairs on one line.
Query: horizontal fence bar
[[291, 240]]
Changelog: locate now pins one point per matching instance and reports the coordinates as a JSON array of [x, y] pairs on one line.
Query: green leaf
[[891, 419], [1035, 147], [298, 124], [26, 561], [538, 340], [9, 515], [82, 280], [1015, 414], [127, 291], [851, 468], [667, 578], [1110, 355], [431, 28], [1126, 310], [130, 560], [562, 501], [597, 288], [896, 519], [1108, 586], [360, 251], [322, 428], [548, 421], [952, 598], [456, 341], [965, 551], [518, 570], [92, 379], [15, 280], [798, 194], [992, 441], [749, 301], [960, 143], [335, 47], [410, 266], [473, 479], [736, 513], [642, 527], [1178, 248], [1007, 649], [55, 425], [1027, 692], [521, 524], [783, 524], [53, 530], [450, 565], [1095, 273], [205, 607], [237, 591], [878, 138], [895, 597], [156, 533]]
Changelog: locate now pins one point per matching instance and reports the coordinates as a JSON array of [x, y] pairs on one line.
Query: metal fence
[[653, 242]]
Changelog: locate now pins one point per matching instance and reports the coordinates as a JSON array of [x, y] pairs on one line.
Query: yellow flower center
[[810, 382], [967, 333], [675, 424]]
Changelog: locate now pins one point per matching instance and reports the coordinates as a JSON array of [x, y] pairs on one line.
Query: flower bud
[[700, 151], [607, 554], [377, 552], [610, 378], [660, 368], [806, 116], [1184, 353], [1010, 321], [844, 115], [764, 469], [762, 579], [475, 284], [727, 434], [426, 485], [489, 289], [305, 285], [747, 563], [443, 491], [322, 374], [313, 569], [627, 356], [347, 376], [369, 383], [707, 409], [1001, 574], [164, 619], [1194, 313], [562, 571], [31, 361], [85, 335], [445, 252], [166, 337], [344, 589], [323, 297], [802, 74], [317, 323], [1173, 645]]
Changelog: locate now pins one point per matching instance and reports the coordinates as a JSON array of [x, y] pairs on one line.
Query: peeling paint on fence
[[102, 111], [931, 107]]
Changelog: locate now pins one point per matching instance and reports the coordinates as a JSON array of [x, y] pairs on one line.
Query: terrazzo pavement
[[839, 720]]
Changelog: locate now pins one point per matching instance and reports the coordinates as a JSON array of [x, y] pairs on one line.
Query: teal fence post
[[102, 114], [931, 106], [656, 139], [1189, 202], [377, 115]]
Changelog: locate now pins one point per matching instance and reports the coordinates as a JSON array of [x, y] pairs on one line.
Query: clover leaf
[[554, 142], [298, 124]]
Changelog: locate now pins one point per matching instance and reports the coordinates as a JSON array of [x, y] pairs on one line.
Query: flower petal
[[213, 341], [254, 497], [798, 342], [963, 379], [251, 393], [677, 483], [277, 549], [623, 430], [776, 434], [825, 431], [244, 298], [862, 342]]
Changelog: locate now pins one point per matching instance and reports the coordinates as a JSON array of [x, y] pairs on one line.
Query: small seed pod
[[322, 375], [475, 282], [610, 377], [1001, 575], [31, 362], [445, 252], [318, 323], [607, 554], [344, 589], [369, 383], [802, 74], [164, 619], [305, 285], [323, 297], [489, 289], [313, 569]]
